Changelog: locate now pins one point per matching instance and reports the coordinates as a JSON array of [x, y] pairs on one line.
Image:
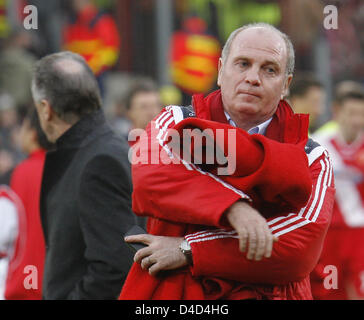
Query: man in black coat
[[86, 188]]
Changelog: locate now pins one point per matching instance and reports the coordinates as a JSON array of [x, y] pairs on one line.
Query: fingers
[[143, 238], [142, 253], [243, 239], [147, 262], [269, 246], [255, 237], [261, 247], [258, 241], [155, 269], [253, 243]]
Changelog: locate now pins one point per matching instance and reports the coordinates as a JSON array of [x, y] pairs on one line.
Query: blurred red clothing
[[343, 246], [94, 35], [30, 246]]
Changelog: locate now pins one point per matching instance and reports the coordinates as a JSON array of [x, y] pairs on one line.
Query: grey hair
[[67, 82], [289, 46]]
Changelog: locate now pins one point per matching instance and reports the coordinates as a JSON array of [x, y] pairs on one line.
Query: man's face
[[144, 107], [351, 118], [253, 77], [45, 124]]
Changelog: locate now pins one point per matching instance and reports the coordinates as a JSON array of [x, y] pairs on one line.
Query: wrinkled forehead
[[260, 40]]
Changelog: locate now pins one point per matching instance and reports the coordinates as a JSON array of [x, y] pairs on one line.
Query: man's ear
[[46, 110], [285, 91], [220, 66]]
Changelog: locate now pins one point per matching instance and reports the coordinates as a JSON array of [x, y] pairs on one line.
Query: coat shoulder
[[108, 144]]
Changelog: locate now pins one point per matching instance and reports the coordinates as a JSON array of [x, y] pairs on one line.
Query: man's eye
[[270, 70]]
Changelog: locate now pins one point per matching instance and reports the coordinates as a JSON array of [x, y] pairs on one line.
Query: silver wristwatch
[[186, 250]]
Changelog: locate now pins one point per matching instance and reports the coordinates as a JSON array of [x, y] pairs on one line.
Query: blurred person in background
[[118, 117], [143, 103], [343, 246], [343, 87], [307, 95], [7, 163], [93, 34], [26, 183], [10, 155], [11, 209], [16, 64], [139, 103], [9, 118]]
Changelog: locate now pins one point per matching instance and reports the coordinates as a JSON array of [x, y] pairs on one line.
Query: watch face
[[185, 246]]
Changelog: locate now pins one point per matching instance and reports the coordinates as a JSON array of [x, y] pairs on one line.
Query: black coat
[[85, 211]]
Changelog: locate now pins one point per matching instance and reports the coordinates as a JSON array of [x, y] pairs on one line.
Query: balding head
[[268, 28], [69, 66], [66, 81]]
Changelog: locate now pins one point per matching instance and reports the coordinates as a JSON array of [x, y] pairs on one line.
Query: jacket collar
[[285, 126], [259, 129], [85, 130]]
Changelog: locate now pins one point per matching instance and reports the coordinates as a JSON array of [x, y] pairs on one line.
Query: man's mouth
[[249, 94]]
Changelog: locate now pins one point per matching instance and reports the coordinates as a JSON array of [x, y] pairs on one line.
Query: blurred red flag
[[194, 58]]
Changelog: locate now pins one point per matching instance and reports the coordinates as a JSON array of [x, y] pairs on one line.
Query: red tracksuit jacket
[[30, 248], [287, 177]]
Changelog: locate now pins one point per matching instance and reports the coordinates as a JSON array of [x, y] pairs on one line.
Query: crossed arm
[[162, 253], [276, 178], [290, 259]]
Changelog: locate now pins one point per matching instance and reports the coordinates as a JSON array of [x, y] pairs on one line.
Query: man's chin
[[247, 107], [248, 98]]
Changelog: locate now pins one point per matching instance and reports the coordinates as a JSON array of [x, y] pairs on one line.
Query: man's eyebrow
[[273, 63], [265, 62]]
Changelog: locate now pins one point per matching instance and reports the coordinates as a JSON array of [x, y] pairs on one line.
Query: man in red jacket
[[339, 275], [215, 236], [25, 273]]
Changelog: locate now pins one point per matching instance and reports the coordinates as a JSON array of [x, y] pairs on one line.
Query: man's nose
[[252, 76]]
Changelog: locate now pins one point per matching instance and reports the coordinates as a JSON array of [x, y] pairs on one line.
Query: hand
[[252, 229], [162, 253]]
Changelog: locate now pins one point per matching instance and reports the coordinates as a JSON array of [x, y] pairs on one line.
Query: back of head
[[66, 81]]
